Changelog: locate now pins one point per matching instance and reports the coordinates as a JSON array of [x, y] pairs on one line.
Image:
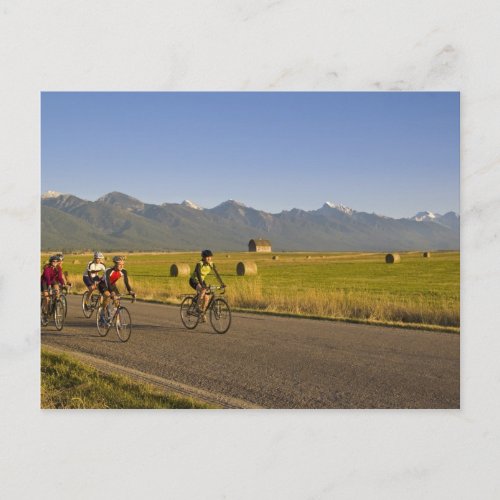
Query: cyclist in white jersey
[[94, 267]]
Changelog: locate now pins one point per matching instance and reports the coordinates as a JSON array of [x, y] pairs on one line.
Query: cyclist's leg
[[109, 295], [89, 283], [204, 297], [201, 297], [195, 286], [106, 297]]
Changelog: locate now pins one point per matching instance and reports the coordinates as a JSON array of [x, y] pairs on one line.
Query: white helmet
[[98, 255]]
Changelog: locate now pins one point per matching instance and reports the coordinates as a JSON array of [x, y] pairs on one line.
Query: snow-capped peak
[[421, 216], [190, 204], [50, 194], [339, 206]]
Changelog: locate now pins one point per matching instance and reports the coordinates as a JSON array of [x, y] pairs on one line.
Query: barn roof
[[261, 242]]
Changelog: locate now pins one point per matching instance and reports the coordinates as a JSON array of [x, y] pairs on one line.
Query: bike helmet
[[98, 255], [53, 258], [118, 258], [207, 253], [60, 255]]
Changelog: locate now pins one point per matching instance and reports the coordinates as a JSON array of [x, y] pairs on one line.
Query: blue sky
[[393, 153]]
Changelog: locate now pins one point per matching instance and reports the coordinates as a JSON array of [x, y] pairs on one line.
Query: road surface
[[273, 362]]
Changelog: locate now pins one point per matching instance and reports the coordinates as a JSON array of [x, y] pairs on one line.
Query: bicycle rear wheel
[[220, 315], [59, 314], [123, 324], [189, 313], [103, 321], [87, 304]]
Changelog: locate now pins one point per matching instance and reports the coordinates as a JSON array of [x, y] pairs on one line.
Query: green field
[[354, 286]]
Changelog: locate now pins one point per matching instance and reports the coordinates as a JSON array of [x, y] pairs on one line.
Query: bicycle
[[217, 308], [54, 309], [90, 302], [117, 315]]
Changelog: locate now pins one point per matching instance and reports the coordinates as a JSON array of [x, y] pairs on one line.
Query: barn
[[259, 246]]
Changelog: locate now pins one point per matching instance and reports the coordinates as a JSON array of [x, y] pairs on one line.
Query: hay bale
[[275, 257], [427, 254], [76, 261], [179, 270], [228, 256], [246, 268], [308, 257], [392, 258]]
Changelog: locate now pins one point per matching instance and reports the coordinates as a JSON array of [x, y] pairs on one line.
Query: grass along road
[[351, 286], [66, 383]]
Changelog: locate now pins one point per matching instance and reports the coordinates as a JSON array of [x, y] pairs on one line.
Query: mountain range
[[117, 221]]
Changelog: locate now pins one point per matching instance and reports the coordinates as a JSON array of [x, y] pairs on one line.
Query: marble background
[[243, 45]]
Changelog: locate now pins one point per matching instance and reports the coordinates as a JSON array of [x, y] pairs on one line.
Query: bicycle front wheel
[[189, 313], [59, 314], [103, 321], [87, 304], [43, 314], [64, 303], [123, 324], [220, 315]]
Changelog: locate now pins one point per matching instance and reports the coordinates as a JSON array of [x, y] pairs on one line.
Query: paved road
[[274, 362]]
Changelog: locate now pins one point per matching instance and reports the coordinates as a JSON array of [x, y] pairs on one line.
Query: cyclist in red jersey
[[50, 278], [107, 285]]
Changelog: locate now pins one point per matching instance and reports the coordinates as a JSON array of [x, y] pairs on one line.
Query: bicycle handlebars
[[132, 300], [213, 288]]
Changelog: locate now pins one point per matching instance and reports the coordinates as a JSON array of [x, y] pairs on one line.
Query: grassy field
[[69, 384], [353, 286]]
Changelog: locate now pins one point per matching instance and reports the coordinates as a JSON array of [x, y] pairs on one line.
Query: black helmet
[[118, 258], [55, 258], [207, 253]]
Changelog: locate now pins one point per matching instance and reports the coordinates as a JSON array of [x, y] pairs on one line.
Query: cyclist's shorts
[[113, 288], [194, 283], [44, 287], [90, 281]]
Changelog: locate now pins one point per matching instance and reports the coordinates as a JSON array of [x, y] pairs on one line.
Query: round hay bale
[[246, 268], [228, 256], [76, 261], [308, 257], [179, 270], [392, 258], [275, 257], [427, 254]]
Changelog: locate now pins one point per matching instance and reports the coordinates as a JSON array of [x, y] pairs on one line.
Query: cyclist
[[91, 274], [107, 284], [60, 274], [197, 280], [49, 278]]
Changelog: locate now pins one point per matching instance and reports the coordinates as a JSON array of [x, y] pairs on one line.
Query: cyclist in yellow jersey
[[197, 279]]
